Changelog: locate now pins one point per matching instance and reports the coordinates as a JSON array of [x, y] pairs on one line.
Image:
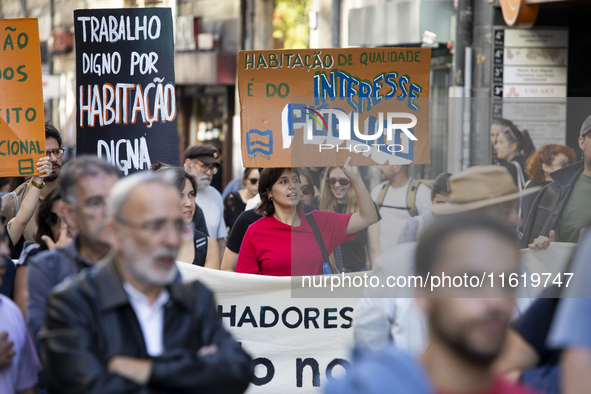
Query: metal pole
[[462, 70], [24, 7], [50, 59], [455, 126], [467, 109], [249, 23], [464, 27], [335, 23]]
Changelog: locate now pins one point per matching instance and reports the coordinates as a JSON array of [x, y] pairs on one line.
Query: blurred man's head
[[53, 150], [146, 223], [201, 161], [391, 173], [469, 321], [85, 184], [484, 190]]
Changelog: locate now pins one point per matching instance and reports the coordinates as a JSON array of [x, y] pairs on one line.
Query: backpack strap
[[382, 195], [520, 183], [520, 177], [312, 222], [13, 194], [338, 258], [411, 196]]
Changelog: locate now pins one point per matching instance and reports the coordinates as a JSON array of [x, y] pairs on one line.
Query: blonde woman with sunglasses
[[338, 196]]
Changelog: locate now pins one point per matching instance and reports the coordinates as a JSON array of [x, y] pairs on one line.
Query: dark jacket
[[46, 270], [550, 203], [528, 201], [90, 320]]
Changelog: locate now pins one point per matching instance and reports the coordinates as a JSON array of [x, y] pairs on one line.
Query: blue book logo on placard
[[262, 144]]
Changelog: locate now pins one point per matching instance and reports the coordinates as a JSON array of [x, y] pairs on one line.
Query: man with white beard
[[128, 325], [201, 161]]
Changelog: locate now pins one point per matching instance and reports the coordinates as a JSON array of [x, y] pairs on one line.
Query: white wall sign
[[545, 111], [534, 75], [542, 133], [536, 38], [535, 56], [530, 67], [534, 91]]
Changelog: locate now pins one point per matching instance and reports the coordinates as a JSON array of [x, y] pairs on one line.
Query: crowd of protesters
[[92, 301]]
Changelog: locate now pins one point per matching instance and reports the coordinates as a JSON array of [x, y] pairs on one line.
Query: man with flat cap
[[201, 161]]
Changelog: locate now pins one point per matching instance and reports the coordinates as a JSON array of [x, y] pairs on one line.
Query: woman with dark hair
[[415, 226], [235, 202], [283, 242], [513, 148], [307, 188], [52, 232], [197, 248], [540, 165], [337, 195]]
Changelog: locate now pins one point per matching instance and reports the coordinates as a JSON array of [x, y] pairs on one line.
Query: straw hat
[[479, 187]]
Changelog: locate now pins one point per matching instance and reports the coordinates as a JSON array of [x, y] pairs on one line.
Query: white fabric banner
[[553, 260], [297, 342]]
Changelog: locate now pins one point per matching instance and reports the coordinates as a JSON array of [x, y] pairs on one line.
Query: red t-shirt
[[502, 387], [277, 249]]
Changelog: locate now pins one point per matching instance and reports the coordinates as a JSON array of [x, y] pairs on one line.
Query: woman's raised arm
[[367, 214], [16, 226]]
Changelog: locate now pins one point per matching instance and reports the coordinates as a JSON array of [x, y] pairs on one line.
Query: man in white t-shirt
[[394, 208], [19, 364], [201, 161]]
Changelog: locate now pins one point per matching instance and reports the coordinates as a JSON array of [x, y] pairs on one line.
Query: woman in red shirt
[[282, 243]]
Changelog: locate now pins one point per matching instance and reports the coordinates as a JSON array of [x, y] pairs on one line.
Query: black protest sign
[[125, 93]]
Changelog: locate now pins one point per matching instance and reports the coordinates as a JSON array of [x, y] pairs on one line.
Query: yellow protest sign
[[316, 107], [22, 128]]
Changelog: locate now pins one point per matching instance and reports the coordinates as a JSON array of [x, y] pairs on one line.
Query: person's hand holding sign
[[367, 214], [16, 226], [44, 168]]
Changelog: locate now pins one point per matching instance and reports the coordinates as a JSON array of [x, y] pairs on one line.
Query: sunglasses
[[342, 181], [253, 181], [307, 190], [51, 219]]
